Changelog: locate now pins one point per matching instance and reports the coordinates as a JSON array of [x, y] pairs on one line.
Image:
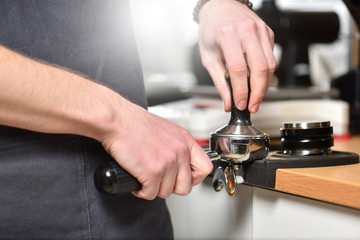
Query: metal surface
[[239, 139], [247, 146], [306, 138], [227, 175], [305, 125], [304, 144], [236, 143]]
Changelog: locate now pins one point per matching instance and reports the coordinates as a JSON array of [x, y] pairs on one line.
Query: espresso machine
[[241, 153]]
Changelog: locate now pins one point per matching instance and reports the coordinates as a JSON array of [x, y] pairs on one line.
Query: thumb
[[200, 163], [216, 69]]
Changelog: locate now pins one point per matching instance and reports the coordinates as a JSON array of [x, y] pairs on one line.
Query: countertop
[[338, 185]]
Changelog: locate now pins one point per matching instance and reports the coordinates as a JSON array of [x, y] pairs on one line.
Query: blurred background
[[167, 38]]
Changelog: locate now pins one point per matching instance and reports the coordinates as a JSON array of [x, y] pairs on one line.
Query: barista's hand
[[228, 30], [161, 155]]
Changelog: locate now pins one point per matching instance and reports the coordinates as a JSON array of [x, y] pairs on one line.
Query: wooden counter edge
[[308, 183]]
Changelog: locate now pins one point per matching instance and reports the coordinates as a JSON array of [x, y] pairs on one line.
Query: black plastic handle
[[238, 117], [112, 179]]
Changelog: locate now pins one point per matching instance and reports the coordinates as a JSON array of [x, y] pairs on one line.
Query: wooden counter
[[338, 185]]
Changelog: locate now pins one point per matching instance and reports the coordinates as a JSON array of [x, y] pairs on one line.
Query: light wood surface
[[348, 145], [338, 185]]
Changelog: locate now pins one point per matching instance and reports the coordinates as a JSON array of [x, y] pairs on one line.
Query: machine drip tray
[[263, 172]]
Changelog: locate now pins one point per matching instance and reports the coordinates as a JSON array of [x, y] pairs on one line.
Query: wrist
[[102, 116], [111, 115], [201, 3]]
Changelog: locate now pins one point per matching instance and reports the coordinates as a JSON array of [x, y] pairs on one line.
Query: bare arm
[[44, 98]]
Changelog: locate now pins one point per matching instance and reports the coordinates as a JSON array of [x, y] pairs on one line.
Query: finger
[[148, 191], [200, 163], [177, 169], [167, 182], [183, 180], [234, 58], [261, 79], [216, 69], [269, 53], [259, 71], [271, 35], [267, 39], [150, 184]]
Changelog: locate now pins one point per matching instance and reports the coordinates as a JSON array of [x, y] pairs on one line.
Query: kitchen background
[[167, 36]]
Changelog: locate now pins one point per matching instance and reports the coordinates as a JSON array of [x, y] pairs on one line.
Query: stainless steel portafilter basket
[[239, 140]]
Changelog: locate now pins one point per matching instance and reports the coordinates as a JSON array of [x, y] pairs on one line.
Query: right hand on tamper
[[227, 31], [163, 157]]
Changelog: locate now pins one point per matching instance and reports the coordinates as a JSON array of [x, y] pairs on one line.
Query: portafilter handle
[[111, 179]]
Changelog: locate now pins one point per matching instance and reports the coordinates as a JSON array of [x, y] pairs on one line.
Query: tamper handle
[[238, 117]]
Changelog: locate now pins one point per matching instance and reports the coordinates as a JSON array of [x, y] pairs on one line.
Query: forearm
[[161, 155], [44, 98]]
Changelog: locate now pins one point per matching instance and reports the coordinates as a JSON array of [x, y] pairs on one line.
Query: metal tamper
[[237, 143]]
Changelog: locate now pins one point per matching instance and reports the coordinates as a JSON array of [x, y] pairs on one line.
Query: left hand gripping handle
[[110, 178]]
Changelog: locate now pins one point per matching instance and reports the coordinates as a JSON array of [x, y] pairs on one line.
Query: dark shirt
[[46, 180]]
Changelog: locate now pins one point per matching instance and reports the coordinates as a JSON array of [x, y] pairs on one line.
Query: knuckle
[[227, 29], [262, 67], [258, 95], [238, 69], [197, 178], [155, 169], [250, 26], [208, 169], [164, 195], [241, 95], [186, 191], [146, 196], [150, 197], [183, 191], [262, 25], [180, 149], [272, 64], [240, 92]]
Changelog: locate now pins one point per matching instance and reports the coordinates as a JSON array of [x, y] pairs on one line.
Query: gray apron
[[46, 180]]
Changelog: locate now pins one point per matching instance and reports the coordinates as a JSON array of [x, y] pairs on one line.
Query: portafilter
[[238, 143]]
